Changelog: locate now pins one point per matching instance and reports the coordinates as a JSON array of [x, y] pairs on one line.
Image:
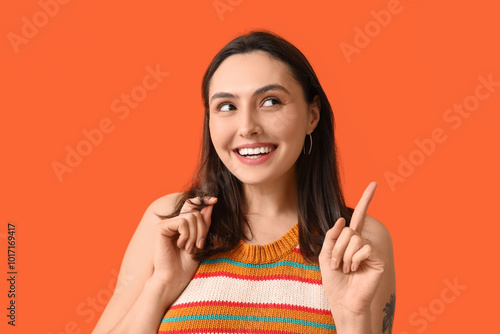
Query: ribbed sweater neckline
[[260, 254]]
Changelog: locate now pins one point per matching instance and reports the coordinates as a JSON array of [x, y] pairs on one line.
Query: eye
[[278, 101], [223, 106]]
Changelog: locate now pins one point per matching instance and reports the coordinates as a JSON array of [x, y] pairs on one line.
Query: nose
[[249, 123]]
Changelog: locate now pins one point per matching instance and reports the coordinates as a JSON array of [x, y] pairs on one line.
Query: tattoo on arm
[[389, 314]]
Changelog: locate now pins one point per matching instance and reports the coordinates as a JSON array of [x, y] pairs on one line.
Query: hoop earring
[[310, 146]]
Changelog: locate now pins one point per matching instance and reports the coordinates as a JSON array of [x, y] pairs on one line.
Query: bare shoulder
[[164, 205], [378, 234]]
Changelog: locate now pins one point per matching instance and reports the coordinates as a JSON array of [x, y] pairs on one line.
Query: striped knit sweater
[[253, 289]]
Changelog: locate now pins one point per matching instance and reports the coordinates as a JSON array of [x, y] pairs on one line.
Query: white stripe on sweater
[[237, 290]]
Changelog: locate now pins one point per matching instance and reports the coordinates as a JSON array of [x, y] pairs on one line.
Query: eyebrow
[[221, 95]]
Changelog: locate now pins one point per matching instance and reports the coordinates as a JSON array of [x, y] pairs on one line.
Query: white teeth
[[257, 150]]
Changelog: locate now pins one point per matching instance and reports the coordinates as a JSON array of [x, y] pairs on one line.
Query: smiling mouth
[[254, 153]]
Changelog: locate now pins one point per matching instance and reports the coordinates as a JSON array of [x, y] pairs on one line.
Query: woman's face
[[255, 102]]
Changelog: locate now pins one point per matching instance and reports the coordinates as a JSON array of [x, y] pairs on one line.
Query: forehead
[[249, 71]]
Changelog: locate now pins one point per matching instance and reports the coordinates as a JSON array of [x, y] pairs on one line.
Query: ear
[[314, 111]]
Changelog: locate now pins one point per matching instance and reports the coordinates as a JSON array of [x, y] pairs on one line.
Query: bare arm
[[138, 296], [146, 313], [384, 302], [357, 269], [380, 317]]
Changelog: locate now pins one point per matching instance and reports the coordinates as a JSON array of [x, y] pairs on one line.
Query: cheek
[[289, 120], [289, 126], [219, 133]]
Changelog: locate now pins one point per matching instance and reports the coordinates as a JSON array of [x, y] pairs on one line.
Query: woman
[[265, 214]]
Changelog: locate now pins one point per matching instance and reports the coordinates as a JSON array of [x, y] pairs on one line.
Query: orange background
[[72, 234]]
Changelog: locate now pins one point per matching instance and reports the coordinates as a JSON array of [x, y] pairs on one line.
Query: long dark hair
[[320, 200]]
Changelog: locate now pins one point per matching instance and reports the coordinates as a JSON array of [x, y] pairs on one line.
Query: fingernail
[[353, 267], [333, 264], [346, 268], [199, 244]]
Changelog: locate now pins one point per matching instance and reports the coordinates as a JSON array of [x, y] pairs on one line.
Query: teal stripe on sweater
[[248, 318], [265, 265]]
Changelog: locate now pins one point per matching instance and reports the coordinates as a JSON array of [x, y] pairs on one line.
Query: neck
[[271, 208]]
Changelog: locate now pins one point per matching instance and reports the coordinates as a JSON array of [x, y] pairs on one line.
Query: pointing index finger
[[359, 214]]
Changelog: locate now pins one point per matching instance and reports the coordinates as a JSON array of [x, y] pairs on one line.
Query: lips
[[256, 159]]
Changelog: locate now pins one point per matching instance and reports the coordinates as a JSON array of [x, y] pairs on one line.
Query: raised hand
[[351, 268], [175, 240]]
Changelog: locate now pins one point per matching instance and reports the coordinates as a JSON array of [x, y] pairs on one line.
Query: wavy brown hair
[[320, 200]]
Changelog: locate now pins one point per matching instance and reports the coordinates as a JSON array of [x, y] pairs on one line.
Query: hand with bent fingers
[[175, 240], [351, 268]]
